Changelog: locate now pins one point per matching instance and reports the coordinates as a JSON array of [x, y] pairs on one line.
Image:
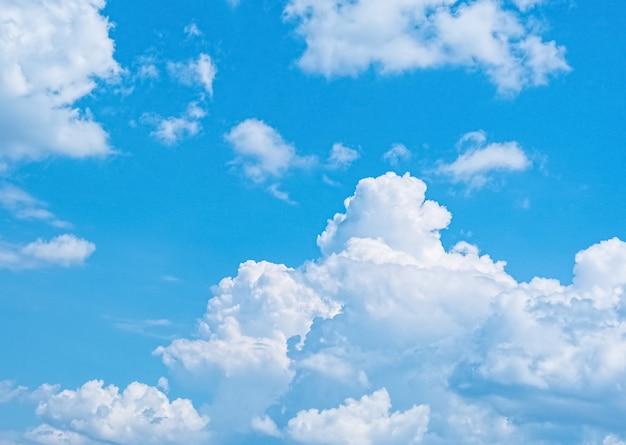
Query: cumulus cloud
[[341, 157], [480, 160], [63, 250], [466, 353], [140, 414], [51, 54], [199, 72], [263, 155], [396, 154], [24, 206], [361, 422], [346, 38]]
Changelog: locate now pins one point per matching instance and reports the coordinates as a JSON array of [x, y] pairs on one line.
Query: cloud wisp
[[263, 156], [394, 36], [64, 250], [479, 161]]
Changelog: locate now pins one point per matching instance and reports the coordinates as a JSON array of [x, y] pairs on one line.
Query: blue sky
[[312, 222]]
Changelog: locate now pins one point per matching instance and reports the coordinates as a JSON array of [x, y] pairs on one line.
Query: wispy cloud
[[263, 156], [201, 72], [479, 160], [23, 206], [396, 154], [64, 250], [341, 157]]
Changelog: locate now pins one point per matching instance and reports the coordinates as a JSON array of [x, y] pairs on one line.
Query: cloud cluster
[[51, 54], [479, 160], [346, 38], [64, 250], [465, 352], [97, 414]]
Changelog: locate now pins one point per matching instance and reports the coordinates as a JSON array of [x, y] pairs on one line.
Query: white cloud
[[361, 422], [9, 391], [172, 130], [244, 334], [480, 160], [51, 54], [263, 155], [63, 250], [396, 154], [139, 415], [195, 72], [341, 157], [192, 30], [24, 206], [346, 38], [386, 306]]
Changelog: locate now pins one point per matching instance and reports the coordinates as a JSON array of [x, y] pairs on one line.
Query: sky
[[365, 222]]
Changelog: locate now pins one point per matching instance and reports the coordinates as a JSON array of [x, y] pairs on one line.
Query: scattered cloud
[[192, 30], [51, 56], [396, 154], [172, 130], [24, 206], [9, 391], [347, 38], [466, 353], [263, 155], [148, 328], [341, 157], [480, 160], [63, 250], [199, 72], [140, 414]]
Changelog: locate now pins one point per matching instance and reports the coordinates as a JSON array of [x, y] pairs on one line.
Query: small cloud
[[341, 157], [171, 130], [263, 155], [9, 391], [192, 30], [265, 425], [147, 328], [200, 72], [24, 206], [163, 384], [396, 154], [64, 250], [170, 279], [480, 160]]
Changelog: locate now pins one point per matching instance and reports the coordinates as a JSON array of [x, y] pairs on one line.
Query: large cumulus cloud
[[388, 320]]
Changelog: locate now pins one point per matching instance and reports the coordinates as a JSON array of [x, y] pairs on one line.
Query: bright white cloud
[[263, 155], [139, 415], [244, 334], [51, 53], [199, 72], [396, 154], [361, 422], [480, 160], [386, 306], [63, 250], [346, 38], [341, 157], [24, 206]]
